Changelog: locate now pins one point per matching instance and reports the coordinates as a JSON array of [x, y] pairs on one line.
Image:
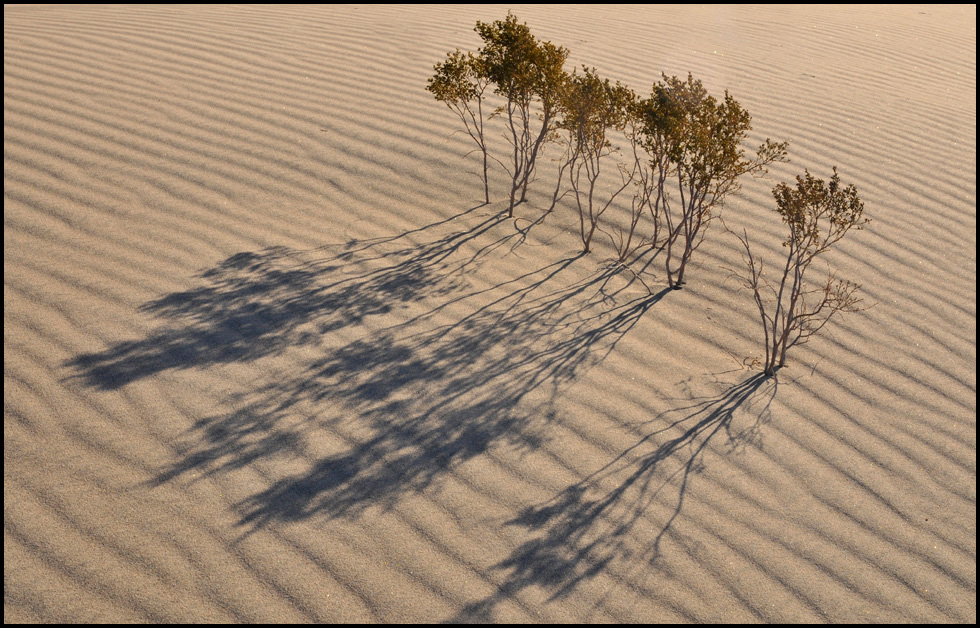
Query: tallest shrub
[[530, 75]]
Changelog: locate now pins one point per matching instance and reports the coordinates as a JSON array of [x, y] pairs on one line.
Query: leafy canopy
[[590, 106], [457, 79], [703, 136], [520, 67], [812, 203]]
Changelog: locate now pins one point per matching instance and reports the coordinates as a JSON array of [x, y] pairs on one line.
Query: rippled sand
[[267, 357]]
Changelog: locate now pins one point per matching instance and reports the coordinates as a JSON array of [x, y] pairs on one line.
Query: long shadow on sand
[[391, 356], [257, 304], [594, 522], [396, 358]]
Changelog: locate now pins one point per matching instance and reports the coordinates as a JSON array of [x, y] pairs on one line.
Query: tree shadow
[[585, 528], [438, 396], [257, 304], [410, 369]]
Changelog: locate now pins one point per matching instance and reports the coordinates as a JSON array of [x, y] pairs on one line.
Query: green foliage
[[520, 67], [591, 106], [817, 213], [703, 137], [457, 79], [669, 115]]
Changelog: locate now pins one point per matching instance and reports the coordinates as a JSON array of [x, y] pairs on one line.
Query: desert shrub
[[460, 82], [695, 146], [591, 108], [530, 76], [817, 214]]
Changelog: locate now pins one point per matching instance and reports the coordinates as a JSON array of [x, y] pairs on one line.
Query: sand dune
[[267, 356]]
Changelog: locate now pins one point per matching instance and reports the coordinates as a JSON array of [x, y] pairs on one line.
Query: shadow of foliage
[[438, 396], [414, 370], [583, 529], [256, 304]]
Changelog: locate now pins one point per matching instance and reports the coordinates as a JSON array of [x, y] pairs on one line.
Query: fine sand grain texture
[[268, 357]]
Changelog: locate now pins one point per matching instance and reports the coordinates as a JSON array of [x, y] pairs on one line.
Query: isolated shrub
[[460, 82], [696, 142], [530, 76], [817, 215]]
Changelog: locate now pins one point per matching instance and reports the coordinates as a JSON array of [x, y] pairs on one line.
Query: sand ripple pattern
[[267, 357]]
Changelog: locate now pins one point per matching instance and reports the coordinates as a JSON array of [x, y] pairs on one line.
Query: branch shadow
[[584, 528], [438, 397], [411, 368], [258, 303]]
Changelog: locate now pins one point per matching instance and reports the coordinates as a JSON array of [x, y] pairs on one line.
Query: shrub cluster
[[684, 156]]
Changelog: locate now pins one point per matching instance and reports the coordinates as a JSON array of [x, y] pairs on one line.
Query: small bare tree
[[530, 75], [460, 82], [701, 139], [818, 215]]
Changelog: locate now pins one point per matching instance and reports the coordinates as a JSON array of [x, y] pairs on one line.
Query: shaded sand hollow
[[268, 358]]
